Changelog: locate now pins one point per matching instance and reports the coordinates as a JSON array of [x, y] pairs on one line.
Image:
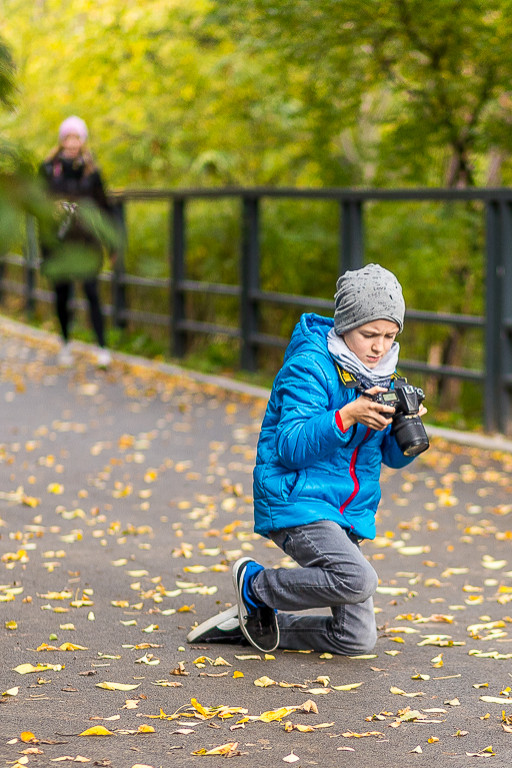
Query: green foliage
[[183, 93], [7, 72]]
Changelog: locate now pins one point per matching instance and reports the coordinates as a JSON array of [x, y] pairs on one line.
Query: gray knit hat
[[367, 294]]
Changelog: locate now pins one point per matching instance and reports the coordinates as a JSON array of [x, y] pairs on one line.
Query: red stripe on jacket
[[352, 471]]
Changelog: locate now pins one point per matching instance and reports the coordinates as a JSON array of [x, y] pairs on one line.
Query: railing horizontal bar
[[200, 327], [291, 299], [12, 285], [442, 370], [145, 317], [268, 340], [198, 286], [330, 193], [150, 282], [476, 321]]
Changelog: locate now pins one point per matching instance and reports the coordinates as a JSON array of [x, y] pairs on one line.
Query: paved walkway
[[124, 497]]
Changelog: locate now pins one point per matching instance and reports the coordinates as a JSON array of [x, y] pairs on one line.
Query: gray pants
[[333, 573]]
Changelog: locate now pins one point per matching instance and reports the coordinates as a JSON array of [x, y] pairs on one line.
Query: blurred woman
[[73, 246]]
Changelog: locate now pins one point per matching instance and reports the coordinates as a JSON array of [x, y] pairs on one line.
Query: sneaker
[[222, 628], [65, 356], [258, 621], [103, 358]]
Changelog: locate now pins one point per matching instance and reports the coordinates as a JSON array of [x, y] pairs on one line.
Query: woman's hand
[[365, 411]]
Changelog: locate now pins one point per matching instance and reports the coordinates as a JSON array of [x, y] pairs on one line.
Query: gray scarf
[[367, 377]]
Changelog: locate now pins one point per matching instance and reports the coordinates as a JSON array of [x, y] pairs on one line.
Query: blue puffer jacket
[[307, 467]]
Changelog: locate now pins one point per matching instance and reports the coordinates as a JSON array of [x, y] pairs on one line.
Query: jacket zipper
[[352, 472]]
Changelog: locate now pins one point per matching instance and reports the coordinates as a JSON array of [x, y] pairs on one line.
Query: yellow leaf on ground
[[276, 714], [11, 625], [25, 669], [199, 707], [399, 691], [97, 730], [264, 682], [224, 749], [28, 737], [145, 729], [117, 686], [72, 647], [495, 700]]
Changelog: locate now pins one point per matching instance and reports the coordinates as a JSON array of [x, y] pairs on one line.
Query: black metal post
[[31, 258], [351, 235], [2, 276], [492, 316], [505, 340], [118, 287], [177, 275], [250, 281]]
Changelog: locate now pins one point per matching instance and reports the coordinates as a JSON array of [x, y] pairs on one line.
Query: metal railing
[[495, 324]]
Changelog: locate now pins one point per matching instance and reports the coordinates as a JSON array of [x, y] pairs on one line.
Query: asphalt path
[[125, 495]]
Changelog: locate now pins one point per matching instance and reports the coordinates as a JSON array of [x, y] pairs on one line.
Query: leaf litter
[[203, 513]]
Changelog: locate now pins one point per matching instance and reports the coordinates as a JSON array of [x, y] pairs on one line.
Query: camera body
[[407, 425]]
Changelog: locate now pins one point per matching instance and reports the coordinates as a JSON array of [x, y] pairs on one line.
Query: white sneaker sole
[[224, 621]]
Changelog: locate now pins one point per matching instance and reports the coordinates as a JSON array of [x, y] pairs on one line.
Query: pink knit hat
[[73, 126]]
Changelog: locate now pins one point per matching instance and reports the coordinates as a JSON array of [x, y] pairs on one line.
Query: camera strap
[[347, 379]]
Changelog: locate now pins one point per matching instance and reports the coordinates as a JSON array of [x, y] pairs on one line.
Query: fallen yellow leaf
[[25, 669], [224, 749], [117, 686], [11, 625], [28, 737], [97, 730], [276, 714]]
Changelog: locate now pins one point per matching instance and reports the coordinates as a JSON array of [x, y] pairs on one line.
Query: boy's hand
[[365, 411]]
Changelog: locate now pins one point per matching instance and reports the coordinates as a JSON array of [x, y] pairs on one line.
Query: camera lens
[[410, 434]]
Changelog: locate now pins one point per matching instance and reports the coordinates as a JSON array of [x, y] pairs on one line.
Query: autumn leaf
[[25, 669], [495, 699], [225, 750], [28, 738], [149, 659], [11, 625], [399, 691], [276, 714], [96, 730], [117, 686], [291, 758]]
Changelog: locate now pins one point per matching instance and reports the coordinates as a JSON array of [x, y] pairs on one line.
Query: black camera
[[407, 426]]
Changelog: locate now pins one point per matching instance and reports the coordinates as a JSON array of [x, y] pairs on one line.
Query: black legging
[[63, 295]]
